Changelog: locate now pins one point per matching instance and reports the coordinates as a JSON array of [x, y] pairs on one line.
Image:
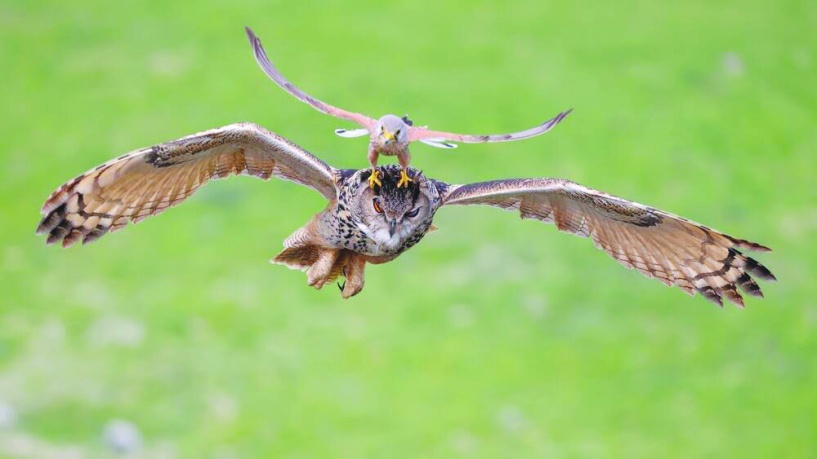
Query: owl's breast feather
[[381, 242]]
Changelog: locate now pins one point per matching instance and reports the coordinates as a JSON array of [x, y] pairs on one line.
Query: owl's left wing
[[672, 249]]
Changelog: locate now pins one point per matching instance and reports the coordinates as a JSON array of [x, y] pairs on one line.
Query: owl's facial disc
[[393, 212], [390, 215]]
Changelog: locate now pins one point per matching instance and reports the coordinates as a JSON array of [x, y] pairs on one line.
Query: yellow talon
[[373, 180], [404, 179]]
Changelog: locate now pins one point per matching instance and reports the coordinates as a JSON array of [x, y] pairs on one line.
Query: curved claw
[[404, 179], [374, 179]]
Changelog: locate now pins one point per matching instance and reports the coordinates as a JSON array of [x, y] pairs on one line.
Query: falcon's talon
[[374, 180], [404, 179]]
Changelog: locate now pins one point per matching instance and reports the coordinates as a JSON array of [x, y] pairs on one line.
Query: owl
[[374, 224], [390, 135]]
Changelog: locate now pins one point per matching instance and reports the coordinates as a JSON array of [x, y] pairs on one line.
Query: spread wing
[[672, 249], [147, 181], [278, 78], [421, 133]]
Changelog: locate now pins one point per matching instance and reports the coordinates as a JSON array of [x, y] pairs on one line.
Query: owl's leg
[[319, 273], [373, 179], [404, 159], [354, 276]]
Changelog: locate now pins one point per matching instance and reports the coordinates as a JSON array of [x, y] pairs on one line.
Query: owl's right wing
[[147, 181], [672, 249]]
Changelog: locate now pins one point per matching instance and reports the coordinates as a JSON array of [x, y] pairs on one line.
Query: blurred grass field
[[492, 338]]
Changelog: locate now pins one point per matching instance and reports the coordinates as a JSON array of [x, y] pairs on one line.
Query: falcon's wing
[[672, 249], [272, 72], [421, 133], [147, 181]]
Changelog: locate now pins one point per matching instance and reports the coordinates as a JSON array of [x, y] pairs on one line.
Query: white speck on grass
[[115, 331], [168, 64], [236, 291], [463, 442], [94, 295], [535, 305], [461, 316], [49, 335], [225, 452], [355, 327], [222, 407], [490, 264], [802, 57], [8, 415], [122, 436], [511, 419], [733, 65], [22, 445], [14, 259]]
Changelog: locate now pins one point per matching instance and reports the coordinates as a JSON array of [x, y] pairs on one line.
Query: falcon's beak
[[388, 136], [392, 227]]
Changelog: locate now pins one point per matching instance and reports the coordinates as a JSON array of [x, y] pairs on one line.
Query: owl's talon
[[373, 179], [342, 286], [404, 179]]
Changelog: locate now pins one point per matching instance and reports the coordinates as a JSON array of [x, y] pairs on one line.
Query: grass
[[492, 338]]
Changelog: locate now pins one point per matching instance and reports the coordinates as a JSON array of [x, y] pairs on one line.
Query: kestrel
[[390, 135], [363, 224]]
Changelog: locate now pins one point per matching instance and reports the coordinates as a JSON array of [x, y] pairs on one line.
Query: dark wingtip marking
[[749, 286], [72, 237], [749, 245], [51, 220], [710, 294], [759, 270], [93, 235], [733, 296]]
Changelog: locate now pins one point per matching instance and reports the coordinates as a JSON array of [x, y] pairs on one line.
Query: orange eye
[[377, 207]]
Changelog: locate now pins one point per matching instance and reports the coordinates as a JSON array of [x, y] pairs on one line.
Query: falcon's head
[[391, 129]]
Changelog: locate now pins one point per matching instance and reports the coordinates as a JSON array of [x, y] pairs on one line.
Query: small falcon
[[390, 135]]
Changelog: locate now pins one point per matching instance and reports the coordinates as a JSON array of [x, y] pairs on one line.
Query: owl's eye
[[377, 207], [413, 213], [397, 133]]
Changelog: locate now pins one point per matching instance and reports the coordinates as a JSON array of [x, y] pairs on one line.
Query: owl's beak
[[392, 227]]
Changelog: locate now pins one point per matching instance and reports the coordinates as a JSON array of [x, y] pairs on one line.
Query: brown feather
[[148, 181], [672, 249]]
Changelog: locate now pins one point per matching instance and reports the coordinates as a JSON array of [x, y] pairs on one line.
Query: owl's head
[[391, 215]]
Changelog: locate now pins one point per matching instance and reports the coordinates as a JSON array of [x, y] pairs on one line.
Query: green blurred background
[[495, 337]]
